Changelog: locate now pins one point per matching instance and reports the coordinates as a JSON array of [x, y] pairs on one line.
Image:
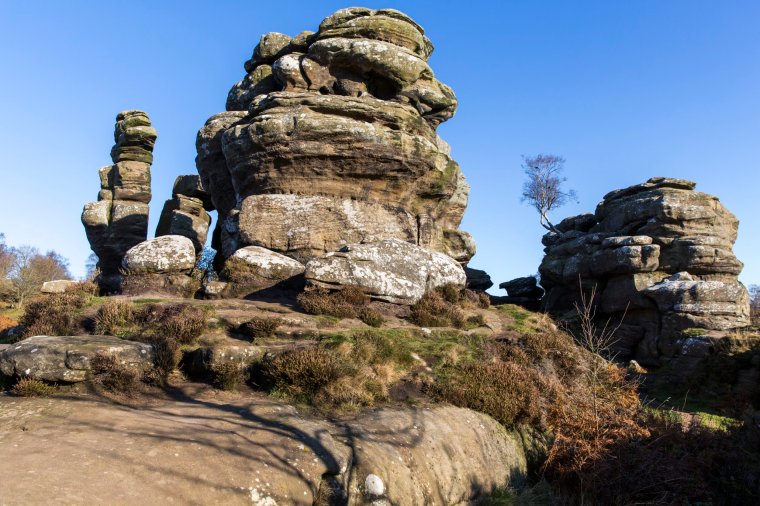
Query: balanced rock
[[523, 287], [330, 140], [391, 270], [659, 255], [185, 213], [477, 279], [67, 358], [162, 255], [119, 219]]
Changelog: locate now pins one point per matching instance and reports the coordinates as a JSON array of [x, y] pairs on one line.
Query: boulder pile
[[119, 219], [330, 140], [659, 257]]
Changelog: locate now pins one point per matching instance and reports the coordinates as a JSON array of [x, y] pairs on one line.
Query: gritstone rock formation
[[119, 219], [660, 255], [330, 140], [185, 213]]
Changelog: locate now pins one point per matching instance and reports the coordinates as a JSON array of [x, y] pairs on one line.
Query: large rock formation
[[660, 256], [119, 219], [330, 140]]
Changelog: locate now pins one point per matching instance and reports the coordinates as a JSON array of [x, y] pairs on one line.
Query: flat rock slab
[[67, 358], [224, 448]]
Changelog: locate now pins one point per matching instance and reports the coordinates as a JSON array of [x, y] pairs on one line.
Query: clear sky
[[623, 90]]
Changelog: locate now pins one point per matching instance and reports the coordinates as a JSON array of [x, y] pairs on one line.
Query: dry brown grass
[[436, 309], [228, 376], [31, 387], [6, 323]]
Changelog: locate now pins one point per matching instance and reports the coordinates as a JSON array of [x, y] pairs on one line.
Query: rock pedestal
[[330, 139], [119, 219], [660, 256]]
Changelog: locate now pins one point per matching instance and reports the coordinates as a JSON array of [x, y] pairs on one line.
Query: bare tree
[[91, 267], [543, 189], [29, 270]]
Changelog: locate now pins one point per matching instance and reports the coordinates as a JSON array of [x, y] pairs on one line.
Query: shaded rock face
[[253, 268], [330, 139], [119, 219], [392, 270], [67, 358], [660, 255], [185, 213]]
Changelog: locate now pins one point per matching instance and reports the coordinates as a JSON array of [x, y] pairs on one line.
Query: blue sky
[[623, 90]]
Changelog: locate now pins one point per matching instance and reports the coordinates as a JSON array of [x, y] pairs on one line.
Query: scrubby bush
[[258, 327], [6, 323], [302, 373], [113, 375], [31, 387], [167, 356], [371, 317], [183, 323], [228, 376], [55, 315], [435, 309], [113, 316], [506, 391], [349, 302]]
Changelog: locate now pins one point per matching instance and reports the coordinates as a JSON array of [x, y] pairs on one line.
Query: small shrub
[[183, 323], [260, 327], [113, 316], [506, 391], [113, 375], [371, 317], [167, 354], [55, 314], [434, 310], [344, 303], [31, 387], [303, 373], [475, 321], [228, 376], [86, 288]]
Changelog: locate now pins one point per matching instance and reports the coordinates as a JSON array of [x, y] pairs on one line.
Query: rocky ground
[[194, 445]]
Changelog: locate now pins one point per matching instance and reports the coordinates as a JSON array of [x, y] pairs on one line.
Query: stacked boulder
[[119, 219], [330, 140], [659, 256], [185, 213]]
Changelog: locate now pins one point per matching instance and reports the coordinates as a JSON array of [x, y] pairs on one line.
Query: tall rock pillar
[[119, 219]]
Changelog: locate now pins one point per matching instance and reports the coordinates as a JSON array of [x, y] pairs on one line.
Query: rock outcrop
[[67, 358], [392, 270], [330, 140], [119, 219], [253, 268], [660, 256], [185, 213]]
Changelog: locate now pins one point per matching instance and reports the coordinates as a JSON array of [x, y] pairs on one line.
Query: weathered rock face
[[330, 140], [67, 358], [253, 268], [185, 213], [119, 219], [162, 255], [392, 270], [660, 255]]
